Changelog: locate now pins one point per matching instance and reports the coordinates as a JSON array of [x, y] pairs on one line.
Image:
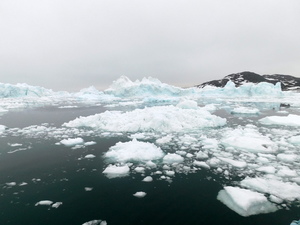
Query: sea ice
[[245, 202], [89, 156], [72, 141], [139, 194], [173, 158], [147, 179], [283, 190], [112, 171], [133, 151], [56, 204], [95, 222], [289, 120], [250, 140], [295, 140], [44, 202], [156, 118], [244, 110]]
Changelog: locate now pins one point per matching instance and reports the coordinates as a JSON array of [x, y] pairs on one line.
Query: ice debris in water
[[244, 110], [95, 222], [157, 119], [72, 141], [44, 202], [139, 194], [133, 151], [289, 120], [245, 202], [113, 171]]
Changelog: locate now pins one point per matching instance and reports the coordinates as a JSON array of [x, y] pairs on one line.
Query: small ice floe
[[140, 194], [245, 202], [72, 141], [295, 222], [139, 169], [88, 188], [2, 128], [289, 120], [49, 203], [23, 184], [95, 222], [133, 151], [295, 140], [56, 204], [112, 171], [173, 158], [11, 184], [44, 202], [90, 143], [14, 144], [89, 156], [148, 179], [245, 110]]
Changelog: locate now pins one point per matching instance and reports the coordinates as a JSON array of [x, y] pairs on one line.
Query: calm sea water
[[53, 172]]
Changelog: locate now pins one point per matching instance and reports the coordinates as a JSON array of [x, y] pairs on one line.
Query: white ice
[[72, 141], [157, 119], [289, 120], [133, 151], [44, 202], [112, 171], [245, 202], [95, 222], [139, 194]]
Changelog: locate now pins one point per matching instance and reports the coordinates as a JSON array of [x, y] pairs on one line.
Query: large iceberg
[[157, 119]]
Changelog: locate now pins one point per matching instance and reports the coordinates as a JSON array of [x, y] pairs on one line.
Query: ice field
[[246, 137]]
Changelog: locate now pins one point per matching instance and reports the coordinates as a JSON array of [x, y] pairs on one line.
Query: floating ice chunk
[[173, 158], [249, 139], [201, 164], [295, 140], [139, 194], [2, 128], [11, 184], [289, 120], [23, 184], [287, 172], [44, 202], [150, 164], [235, 163], [266, 169], [244, 110], [89, 156], [90, 143], [133, 151], [280, 189], [170, 173], [201, 155], [153, 119], [245, 202], [88, 188], [56, 204], [295, 222], [95, 222], [187, 104], [147, 179], [112, 171], [140, 169], [289, 158], [164, 140], [72, 141]]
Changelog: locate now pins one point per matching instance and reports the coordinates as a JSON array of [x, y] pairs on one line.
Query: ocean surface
[[35, 168]]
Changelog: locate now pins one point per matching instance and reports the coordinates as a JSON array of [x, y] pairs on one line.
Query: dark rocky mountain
[[287, 82]]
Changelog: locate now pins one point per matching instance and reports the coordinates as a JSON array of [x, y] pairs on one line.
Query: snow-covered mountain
[[287, 82]]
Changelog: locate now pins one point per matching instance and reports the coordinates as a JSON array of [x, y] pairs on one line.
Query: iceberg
[[245, 202], [283, 190], [153, 119], [23, 90], [112, 171], [133, 151]]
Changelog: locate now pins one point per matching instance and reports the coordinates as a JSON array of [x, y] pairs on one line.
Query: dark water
[[189, 199]]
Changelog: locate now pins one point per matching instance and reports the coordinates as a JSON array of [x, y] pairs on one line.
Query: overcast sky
[[72, 44]]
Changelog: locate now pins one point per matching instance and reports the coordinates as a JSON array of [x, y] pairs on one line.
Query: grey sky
[[72, 44]]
